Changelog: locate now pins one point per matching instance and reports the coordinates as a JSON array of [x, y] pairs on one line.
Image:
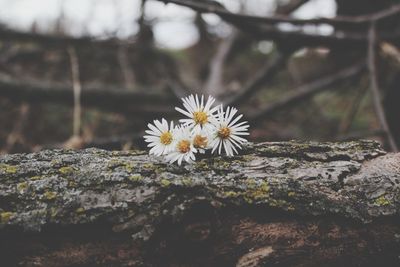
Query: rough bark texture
[[277, 204]]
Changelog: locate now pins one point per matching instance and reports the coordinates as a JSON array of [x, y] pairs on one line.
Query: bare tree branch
[[149, 101], [217, 8], [77, 88], [375, 88], [215, 79], [272, 66], [263, 27], [351, 113], [126, 69], [306, 91], [290, 7], [214, 83], [54, 40]]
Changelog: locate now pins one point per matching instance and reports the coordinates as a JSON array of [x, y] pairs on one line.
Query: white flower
[[201, 116], [226, 134], [183, 147], [160, 137], [202, 140]]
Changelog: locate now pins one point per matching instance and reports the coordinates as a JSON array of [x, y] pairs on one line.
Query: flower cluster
[[206, 127]]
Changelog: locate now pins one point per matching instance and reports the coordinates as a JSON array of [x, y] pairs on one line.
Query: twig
[[126, 69], [213, 85], [76, 85], [376, 96], [306, 91]]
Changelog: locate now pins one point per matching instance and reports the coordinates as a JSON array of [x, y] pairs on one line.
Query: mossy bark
[[276, 204]]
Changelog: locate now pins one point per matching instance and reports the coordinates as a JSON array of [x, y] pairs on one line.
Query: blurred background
[[76, 74]]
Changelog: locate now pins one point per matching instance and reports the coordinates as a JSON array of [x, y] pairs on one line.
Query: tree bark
[[276, 204]]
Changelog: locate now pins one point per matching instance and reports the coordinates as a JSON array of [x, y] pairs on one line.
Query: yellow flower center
[[166, 138], [183, 146], [224, 132], [200, 141], [200, 117]]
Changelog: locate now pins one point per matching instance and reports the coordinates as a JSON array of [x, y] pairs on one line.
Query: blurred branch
[[77, 88], [391, 51], [351, 113], [262, 27], [214, 83], [208, 6], [272, 66], [127, 72], [377, 100], [290, 7], [306, 91], [109, 143], [54, 40], [108, 98]]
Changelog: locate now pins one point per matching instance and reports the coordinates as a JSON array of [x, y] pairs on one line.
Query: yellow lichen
[[35, 178], [135, 178], [187, 181], [80, 210], [165, 182], [257, 191], [382, 201], [21, 187], [53, 212], [202, 165], [72, 184], [50, 195], [66, 170], [128, 167], [148, 166], [6, 216], [291, 208], [10, 169], [231, 194]]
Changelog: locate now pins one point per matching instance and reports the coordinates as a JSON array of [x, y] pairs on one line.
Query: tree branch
[[377, 100], [263, 27], [273, 65], [290, 6], [342, 21], [305, 92], [149, 101]]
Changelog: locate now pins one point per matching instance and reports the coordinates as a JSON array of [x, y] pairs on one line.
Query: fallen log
[[276, 204], [127, 101]]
